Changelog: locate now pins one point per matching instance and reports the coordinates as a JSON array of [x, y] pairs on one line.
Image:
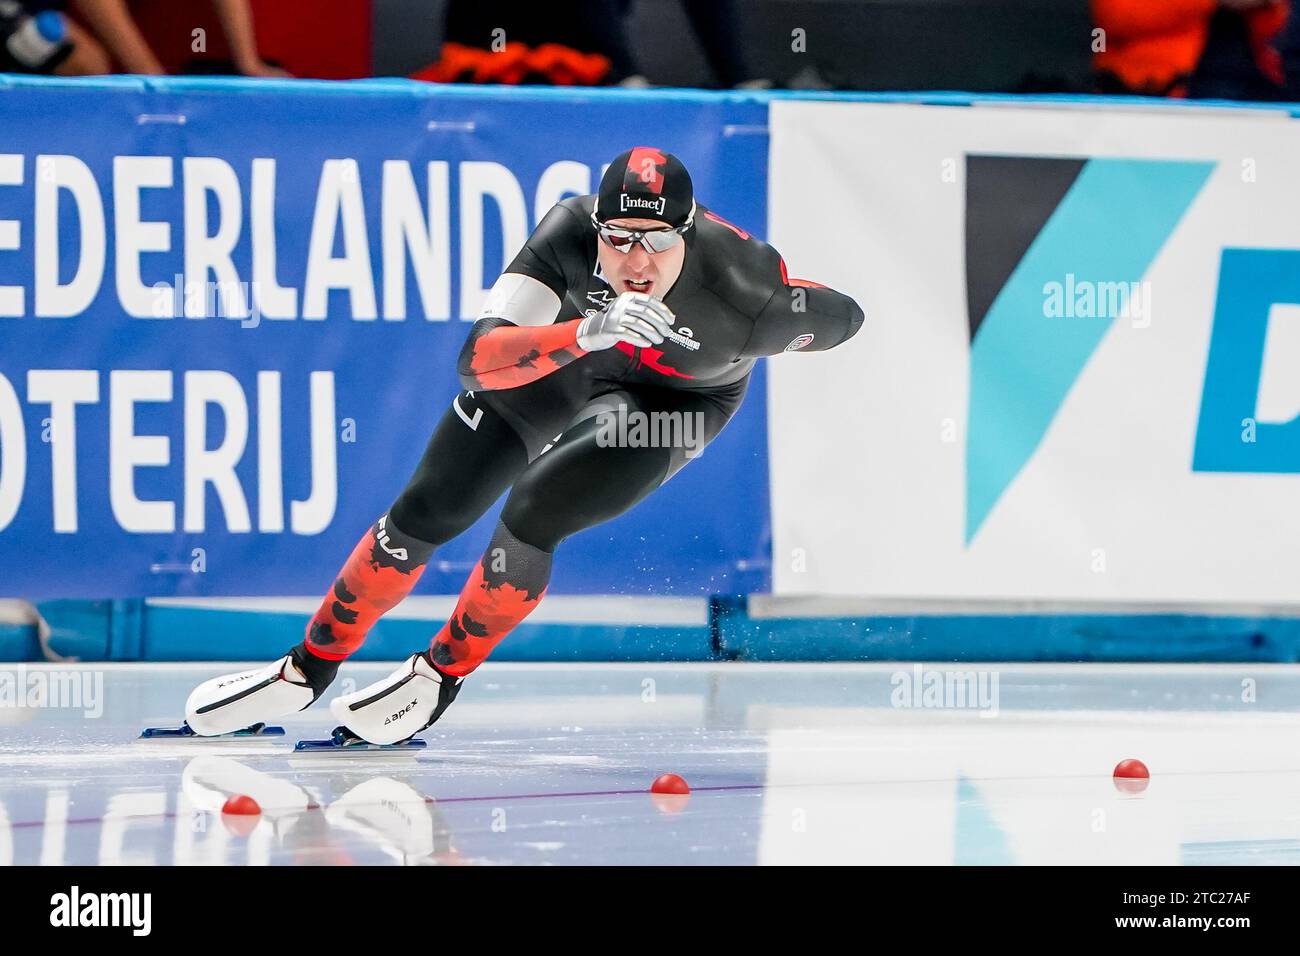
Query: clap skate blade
[[341, 740], [184, 732]]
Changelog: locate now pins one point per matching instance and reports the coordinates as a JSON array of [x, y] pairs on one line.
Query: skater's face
[[640, 270]]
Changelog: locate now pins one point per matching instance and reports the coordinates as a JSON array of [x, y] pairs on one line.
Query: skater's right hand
[[634, 317]]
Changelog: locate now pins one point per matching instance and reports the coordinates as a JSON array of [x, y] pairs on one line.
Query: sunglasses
[[651, 240]]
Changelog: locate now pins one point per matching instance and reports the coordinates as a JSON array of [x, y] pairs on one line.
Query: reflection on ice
[[549, 764]]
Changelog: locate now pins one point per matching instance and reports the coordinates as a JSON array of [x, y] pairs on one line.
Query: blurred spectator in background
[[1214, 49], [1241, 59], [530, 45], [32, 41], [105, 38], [715, 24], [112, 25], [25, 614], [575, 42], [1288, 45]]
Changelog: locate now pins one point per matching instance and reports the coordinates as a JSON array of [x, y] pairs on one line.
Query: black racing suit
[[556, 425]]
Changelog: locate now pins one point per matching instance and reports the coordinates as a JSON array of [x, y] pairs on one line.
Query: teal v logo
[[1035, 227]]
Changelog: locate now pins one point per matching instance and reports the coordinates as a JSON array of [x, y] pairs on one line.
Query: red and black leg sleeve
[[505, 587]]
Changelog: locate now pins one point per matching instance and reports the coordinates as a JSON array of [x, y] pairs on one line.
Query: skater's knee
[[422, 517], [530, 518], [543, 511]]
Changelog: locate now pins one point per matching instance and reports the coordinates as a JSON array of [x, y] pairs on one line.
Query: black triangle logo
[[1008, 201]]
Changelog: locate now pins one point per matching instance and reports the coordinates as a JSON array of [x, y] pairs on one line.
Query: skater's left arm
[[802, 316]]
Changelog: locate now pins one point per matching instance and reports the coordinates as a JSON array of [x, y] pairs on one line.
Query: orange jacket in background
[[1153, 46]]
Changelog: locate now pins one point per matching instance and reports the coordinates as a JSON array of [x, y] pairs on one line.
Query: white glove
[[634, 317]]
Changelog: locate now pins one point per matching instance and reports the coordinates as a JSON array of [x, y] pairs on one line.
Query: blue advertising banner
[[230, 311]]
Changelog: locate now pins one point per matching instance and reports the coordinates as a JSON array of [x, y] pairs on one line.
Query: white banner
[[1123, 422]]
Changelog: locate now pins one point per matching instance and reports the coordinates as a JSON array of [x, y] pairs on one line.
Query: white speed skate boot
[[401, 705], [235, 701]]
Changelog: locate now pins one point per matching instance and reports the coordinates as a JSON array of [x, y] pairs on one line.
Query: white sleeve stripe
[[521, 300]]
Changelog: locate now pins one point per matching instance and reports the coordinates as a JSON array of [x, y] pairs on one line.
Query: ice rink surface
[[789, 764]]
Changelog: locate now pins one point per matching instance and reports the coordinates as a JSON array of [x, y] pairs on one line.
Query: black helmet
[[646, 183]]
